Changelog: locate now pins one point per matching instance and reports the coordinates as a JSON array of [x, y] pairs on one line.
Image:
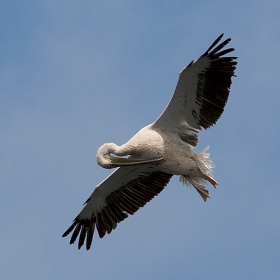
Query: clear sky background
[[76, 74]]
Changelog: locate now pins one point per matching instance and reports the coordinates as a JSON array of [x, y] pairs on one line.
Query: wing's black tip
[[90, 233], [214, 43], [75, 233], [82, 236], [70, 228], [211, 51]]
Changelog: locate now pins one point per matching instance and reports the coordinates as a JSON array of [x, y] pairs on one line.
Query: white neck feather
[[103, 153]]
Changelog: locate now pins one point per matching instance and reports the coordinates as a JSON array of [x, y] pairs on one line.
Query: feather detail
[[206, 165]]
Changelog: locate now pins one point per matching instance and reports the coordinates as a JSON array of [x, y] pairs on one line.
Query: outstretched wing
[[202, 91], [122, 193]]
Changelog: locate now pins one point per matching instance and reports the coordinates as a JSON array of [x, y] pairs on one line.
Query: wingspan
[[202, 91], [122, 193]]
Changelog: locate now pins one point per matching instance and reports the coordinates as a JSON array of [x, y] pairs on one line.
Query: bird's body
[[152, 143], [162, 149]]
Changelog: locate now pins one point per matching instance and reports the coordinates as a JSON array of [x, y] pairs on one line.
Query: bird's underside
[[146, 163]]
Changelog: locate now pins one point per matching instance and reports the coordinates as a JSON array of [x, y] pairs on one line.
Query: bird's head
[[104, 158]]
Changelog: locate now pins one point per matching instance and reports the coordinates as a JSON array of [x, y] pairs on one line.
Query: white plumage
[[162, 149]]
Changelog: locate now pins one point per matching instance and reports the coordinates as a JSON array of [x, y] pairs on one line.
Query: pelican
[[146, 163]]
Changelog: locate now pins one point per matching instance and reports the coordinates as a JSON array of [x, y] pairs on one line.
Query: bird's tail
[[206, 166]]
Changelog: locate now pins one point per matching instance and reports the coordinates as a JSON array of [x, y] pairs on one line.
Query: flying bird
[[146, 163]]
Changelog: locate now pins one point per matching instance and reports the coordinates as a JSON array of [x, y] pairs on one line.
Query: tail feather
[[206, 166], [205, 163], [204, 193]]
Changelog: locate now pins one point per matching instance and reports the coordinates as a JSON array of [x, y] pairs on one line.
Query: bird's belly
[[178, 160], [178, 166]]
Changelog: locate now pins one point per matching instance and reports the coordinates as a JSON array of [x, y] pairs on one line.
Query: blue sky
[[76, 74]]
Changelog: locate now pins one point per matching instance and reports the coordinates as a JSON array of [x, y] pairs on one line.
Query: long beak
[[119, 161]]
